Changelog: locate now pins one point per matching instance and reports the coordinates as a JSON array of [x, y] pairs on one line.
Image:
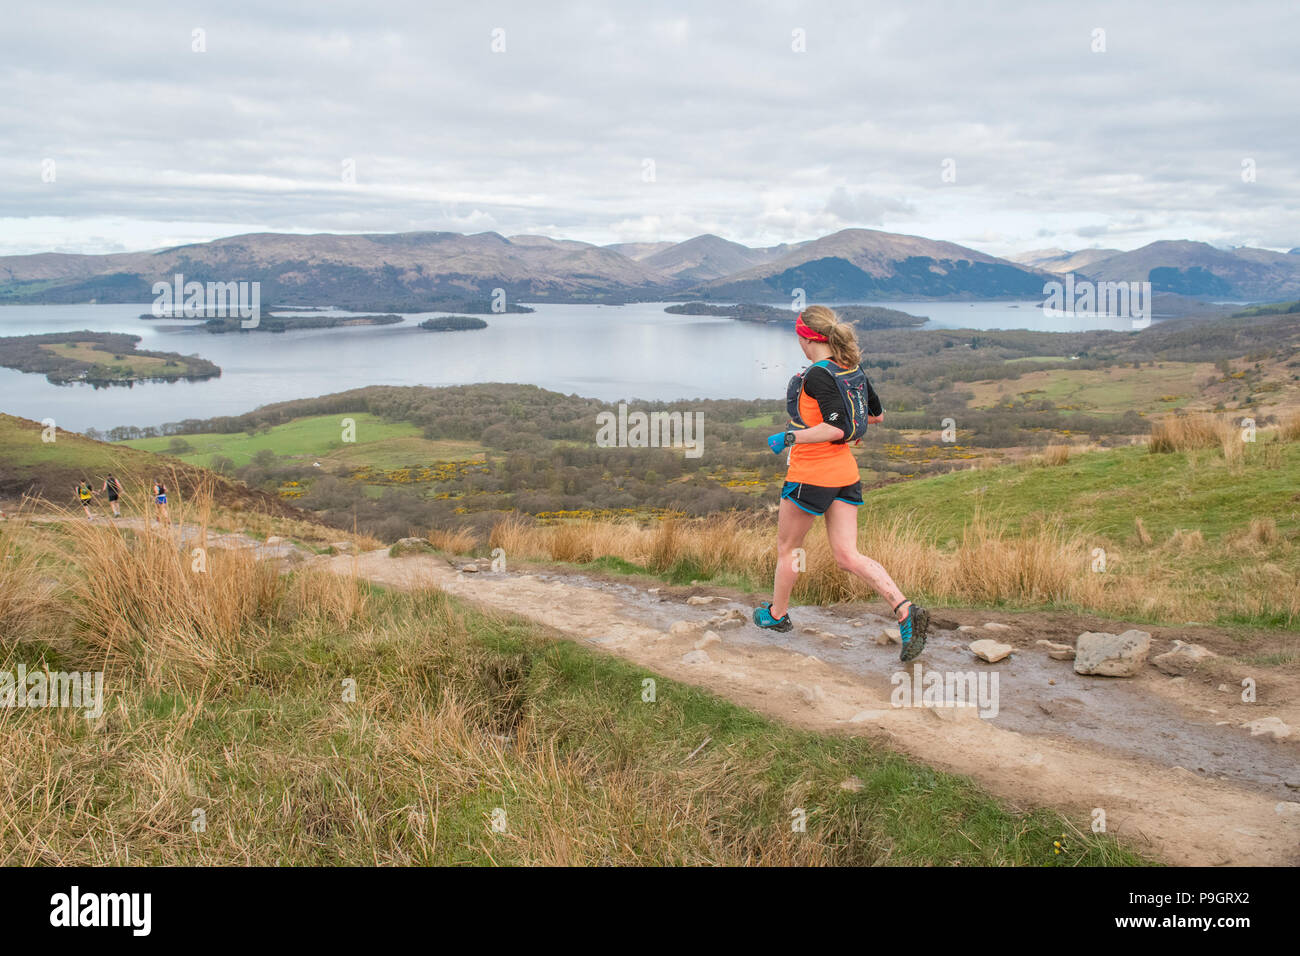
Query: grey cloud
[[749, 138]]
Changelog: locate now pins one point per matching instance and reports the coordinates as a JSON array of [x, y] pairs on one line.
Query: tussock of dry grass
[[1187, 433], [26, 587], [1264, 530], [172, 606], [1140, 528], [1289, 430], [1183, 541], [453, 541], [1056, 455]]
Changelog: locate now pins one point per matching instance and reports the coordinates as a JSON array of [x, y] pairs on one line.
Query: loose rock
[[1272, 726], [700, 599], [994, 626], [710, 637], [1111, 655], [991, 651], [696, 657], [1182, 658], [1058, 652], [811, 695]]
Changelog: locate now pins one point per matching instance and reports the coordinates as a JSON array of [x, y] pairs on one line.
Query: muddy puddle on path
[[1115, 715]]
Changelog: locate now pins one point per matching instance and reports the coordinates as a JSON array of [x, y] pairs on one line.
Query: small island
[[864, 317], [291, 323], [453, 323], [99, 359]]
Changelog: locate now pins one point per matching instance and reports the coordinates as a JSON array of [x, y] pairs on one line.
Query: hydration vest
[[855, 389]]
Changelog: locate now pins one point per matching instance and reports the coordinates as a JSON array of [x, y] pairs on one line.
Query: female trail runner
[[823, 479]]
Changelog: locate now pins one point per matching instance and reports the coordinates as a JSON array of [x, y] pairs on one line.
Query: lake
[[607, 352]]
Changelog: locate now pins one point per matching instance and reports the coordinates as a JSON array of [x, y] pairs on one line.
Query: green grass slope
[[49, 469], [376, 443]]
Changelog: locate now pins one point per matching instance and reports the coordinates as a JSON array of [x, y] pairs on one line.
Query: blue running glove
[[780, 442]]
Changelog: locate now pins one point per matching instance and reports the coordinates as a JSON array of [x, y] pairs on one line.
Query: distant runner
[[160, 500], [114, 489], [85, 494], [830, 404]]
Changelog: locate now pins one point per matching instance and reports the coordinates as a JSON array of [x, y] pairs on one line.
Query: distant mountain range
[[1062, 261], [362, 271]]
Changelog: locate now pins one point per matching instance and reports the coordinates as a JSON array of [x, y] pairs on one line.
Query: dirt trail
[[1167, 761]]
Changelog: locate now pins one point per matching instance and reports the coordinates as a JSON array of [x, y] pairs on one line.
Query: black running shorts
[[815, 499]]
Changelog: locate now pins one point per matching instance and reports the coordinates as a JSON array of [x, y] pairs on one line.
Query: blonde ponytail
[[840, 336]]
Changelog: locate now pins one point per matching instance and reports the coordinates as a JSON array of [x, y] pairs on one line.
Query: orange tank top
[[824, 464]]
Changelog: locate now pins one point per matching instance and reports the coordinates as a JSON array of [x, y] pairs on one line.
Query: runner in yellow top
[[830, 404], [85, 494]]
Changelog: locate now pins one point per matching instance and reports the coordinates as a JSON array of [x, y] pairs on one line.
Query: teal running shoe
[[913, 630], [764, 619]]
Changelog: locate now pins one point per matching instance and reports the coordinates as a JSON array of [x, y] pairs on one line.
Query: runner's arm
[[818, 433], [821, 388]]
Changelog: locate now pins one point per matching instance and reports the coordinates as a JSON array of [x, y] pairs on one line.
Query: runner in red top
[[823, 480]]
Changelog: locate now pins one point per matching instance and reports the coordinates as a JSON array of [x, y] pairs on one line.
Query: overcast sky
[[1052, 144]]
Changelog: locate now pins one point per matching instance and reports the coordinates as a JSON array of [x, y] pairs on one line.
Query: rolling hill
[[710, 257], [341, 269], [360, 270], [1062, 261], [866, 263], [1200, 269], [364, 271]]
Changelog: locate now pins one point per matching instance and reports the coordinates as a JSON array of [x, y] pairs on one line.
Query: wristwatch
[[789, 439]]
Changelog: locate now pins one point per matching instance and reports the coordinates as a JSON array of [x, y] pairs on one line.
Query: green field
[[763, 421], [1103, 492], [378, 443], [1154, 388], [106, 364]]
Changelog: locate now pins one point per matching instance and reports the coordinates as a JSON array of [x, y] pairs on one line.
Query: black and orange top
[[825, 464]]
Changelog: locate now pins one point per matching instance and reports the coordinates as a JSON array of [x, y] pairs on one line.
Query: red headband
[[807, 333]]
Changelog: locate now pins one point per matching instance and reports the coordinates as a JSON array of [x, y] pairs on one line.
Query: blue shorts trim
[[787, 493]]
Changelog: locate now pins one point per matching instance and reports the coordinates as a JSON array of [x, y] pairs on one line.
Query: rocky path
[[1180, 765], [1166, 758]]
